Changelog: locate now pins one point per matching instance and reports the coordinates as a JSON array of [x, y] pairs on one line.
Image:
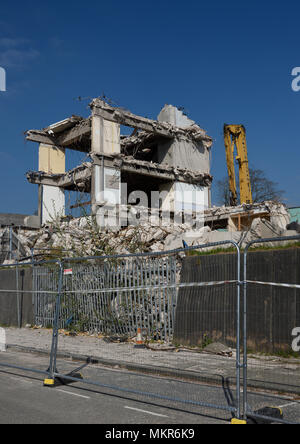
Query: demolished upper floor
[[173, 140]]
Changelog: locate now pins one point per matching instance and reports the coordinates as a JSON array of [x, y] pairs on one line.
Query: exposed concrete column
[[186, 153], [105, 136], [52, 160], [106, 182]]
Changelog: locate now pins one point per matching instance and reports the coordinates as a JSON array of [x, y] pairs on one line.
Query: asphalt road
[[24, 399]]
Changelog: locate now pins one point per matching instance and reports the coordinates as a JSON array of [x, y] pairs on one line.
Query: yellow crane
[[235, 135]]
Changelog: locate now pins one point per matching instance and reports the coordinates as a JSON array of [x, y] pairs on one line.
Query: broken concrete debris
[[82, 236], [216, 348]]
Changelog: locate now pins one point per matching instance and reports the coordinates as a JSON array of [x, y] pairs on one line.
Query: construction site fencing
[[124, 293], [117, 295], [18, 296], [272, 377]]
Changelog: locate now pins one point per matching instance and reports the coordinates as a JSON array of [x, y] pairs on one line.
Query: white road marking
[[19, 379], [73, 394], [145, 411], [287, 405]]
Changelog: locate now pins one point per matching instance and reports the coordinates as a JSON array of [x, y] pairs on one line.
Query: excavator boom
[[235, 135]]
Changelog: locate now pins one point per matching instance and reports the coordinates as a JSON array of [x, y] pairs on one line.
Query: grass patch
[[291, 245], [286, 354]]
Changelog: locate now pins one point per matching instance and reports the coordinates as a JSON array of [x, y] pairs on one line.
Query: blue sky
[[225, 62]]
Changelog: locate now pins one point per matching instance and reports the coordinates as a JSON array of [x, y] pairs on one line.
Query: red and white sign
[[68, 271]]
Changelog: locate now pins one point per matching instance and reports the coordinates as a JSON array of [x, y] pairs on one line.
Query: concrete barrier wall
[[209, 314], [16, 309]]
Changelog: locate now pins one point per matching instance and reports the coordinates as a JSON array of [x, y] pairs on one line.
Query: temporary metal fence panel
[[15, 292], [45, 285], [120, 294], [149, 284], [270, 366]]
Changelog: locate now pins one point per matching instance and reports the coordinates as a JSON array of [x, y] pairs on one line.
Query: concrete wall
[[53, 203], [19, 220], [173, 115], [189, 197], [52, 160], [182, 152], [185, 154], [179, 196]]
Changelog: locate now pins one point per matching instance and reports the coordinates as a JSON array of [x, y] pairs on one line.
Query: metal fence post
[[245, 334], [10, 244], [19, 298], [53, 354], [238, 333], [245, 355]]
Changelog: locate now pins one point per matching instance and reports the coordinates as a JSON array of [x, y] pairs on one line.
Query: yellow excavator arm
[[235, 135]]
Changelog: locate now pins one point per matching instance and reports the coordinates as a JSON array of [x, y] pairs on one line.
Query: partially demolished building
[[169, 156], [157, 180]]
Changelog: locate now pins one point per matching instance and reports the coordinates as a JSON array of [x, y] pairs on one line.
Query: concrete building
[[163, 165], [157, 178], [160, 172]]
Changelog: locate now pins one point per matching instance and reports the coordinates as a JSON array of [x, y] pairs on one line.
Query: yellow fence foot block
[[49, 382], [238, 421]]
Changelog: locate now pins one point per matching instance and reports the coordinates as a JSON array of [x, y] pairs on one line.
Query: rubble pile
[[83, 237]]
